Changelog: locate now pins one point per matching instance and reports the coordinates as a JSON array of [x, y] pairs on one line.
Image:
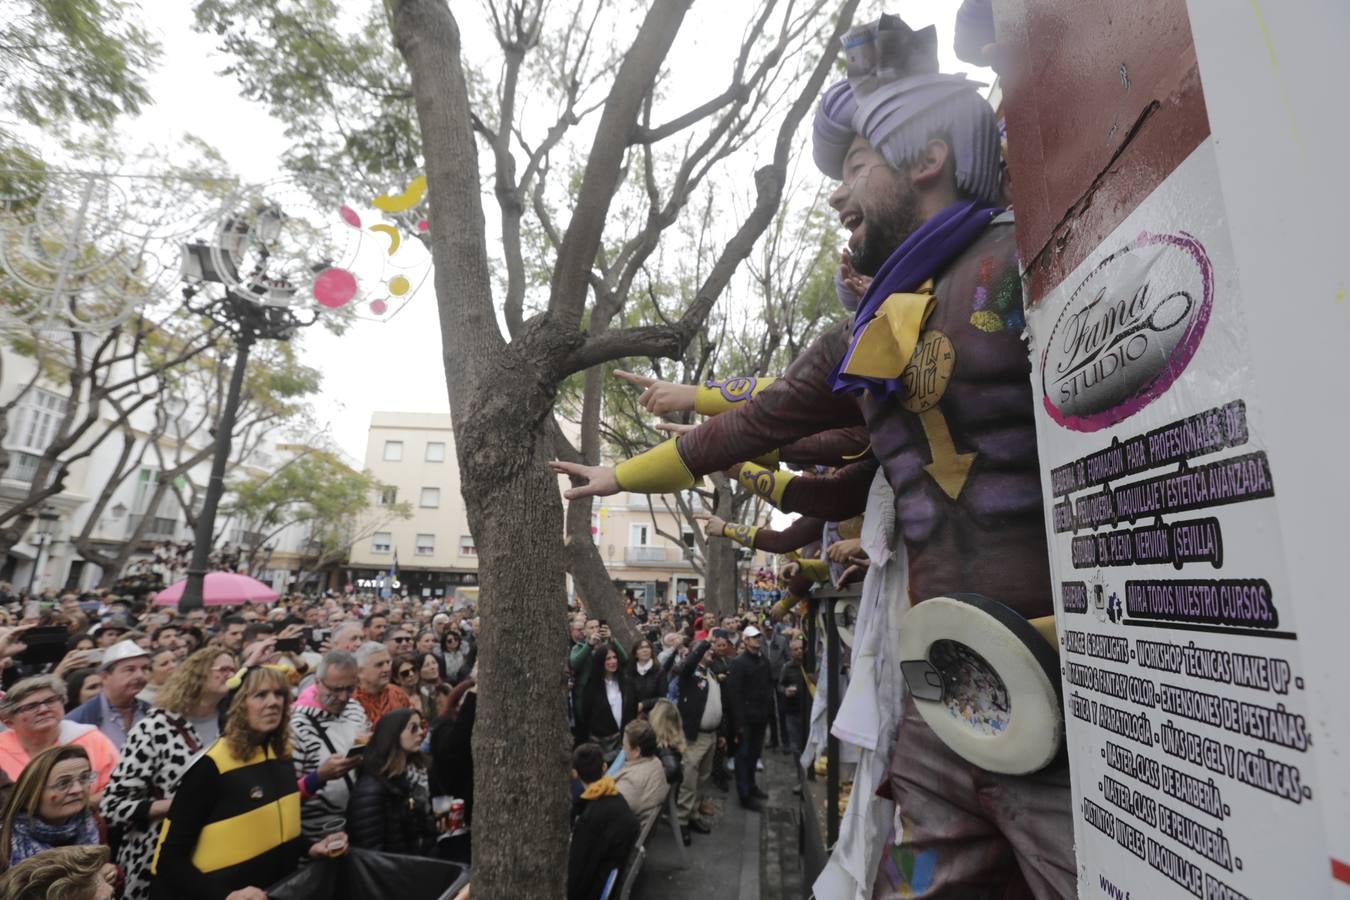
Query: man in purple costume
[[934, 365]]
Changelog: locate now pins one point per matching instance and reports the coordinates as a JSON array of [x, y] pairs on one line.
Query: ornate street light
[[255, 307]]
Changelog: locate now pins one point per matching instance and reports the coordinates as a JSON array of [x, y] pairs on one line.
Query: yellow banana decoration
[[397, 203], [394, 239]]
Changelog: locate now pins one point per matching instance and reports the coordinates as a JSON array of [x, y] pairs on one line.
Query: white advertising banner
[[1194, 765]]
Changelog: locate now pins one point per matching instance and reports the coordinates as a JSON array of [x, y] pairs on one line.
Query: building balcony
[[654, 555], [159, 528], [22, 466]]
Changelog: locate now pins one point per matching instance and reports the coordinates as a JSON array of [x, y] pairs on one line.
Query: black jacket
[[383, 814], [792, 676], [452, 755], [692, 696], [602, 837], [599, 718], [672, 762], [750, 693], [649, 686]]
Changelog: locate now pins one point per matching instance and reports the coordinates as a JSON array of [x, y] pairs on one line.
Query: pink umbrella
[[221, 589]]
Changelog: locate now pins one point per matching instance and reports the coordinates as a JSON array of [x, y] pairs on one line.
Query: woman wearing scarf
[[604, 829], [50, 806]]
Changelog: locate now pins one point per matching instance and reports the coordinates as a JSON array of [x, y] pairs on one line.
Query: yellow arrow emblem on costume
[[948, 468]]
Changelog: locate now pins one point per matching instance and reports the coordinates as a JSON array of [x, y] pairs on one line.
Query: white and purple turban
[[896, 98]]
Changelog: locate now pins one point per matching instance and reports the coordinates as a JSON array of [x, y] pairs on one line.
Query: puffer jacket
[[388, 814]]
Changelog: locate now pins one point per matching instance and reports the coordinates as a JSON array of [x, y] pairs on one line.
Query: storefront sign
[[1185, 684]]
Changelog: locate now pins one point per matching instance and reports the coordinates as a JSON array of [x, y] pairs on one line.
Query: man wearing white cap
[[126, 672], [750, 696]]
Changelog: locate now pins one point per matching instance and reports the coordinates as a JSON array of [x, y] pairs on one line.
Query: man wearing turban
[[934, 366]]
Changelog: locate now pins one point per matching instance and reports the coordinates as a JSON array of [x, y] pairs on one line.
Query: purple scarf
[[936, 243]]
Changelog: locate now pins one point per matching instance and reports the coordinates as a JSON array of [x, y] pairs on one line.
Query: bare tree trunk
[[591, 579], [501, 401], [719, 585], [500, 408], [589, 575]]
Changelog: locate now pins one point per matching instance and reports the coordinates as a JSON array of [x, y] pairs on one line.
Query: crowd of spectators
[[146, 754], [689, 704]]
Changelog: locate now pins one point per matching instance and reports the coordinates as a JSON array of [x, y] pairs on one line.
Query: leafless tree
[[503, 387]]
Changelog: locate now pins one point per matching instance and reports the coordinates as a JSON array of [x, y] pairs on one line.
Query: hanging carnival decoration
[[84, 251]]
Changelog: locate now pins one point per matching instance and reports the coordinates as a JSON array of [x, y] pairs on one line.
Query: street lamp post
[[46, 528], [260, 312]]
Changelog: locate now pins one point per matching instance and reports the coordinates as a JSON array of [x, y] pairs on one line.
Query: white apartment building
[[414, 454], [47, 558]]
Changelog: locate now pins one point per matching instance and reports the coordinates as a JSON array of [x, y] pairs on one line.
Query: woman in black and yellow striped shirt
[[234, 826]]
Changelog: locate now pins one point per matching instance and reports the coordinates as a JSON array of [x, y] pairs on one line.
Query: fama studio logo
[[1128, 331]]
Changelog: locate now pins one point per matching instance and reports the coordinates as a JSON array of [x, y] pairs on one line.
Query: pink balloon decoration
[[378, 307], [350, 217], [334, 287]]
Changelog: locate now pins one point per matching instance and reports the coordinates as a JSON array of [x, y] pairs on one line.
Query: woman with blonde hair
[[664, 717], [157, 752], [62, 873], [233, 827], [50, 806]]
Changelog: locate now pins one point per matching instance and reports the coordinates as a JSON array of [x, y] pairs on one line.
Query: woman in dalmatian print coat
[[157, 752]]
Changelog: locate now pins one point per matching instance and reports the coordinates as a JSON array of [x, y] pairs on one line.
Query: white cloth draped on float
[[869, 713]]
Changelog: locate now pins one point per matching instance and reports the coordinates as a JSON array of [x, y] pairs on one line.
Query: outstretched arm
[[799, 404], [797, 535]]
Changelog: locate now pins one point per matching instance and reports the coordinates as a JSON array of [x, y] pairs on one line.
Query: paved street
[[748, 855]]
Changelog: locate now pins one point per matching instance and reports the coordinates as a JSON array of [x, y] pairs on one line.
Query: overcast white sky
[[394, 365]]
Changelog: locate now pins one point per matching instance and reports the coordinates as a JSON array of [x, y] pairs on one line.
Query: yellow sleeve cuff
[[741, 534], [766, 483], [816, 569], [660, 470], [887, 341], [768, 460], [715, 397]]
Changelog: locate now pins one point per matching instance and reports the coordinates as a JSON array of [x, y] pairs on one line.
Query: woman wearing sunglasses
[[390, 807], [51, 805]]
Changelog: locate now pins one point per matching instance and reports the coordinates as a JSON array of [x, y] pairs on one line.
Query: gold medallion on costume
[[928, 371], [926, 377]]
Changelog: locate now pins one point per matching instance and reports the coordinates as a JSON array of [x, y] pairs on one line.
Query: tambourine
[[986, 680]]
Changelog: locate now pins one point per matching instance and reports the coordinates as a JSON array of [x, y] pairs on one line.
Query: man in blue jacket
[[126, 672]]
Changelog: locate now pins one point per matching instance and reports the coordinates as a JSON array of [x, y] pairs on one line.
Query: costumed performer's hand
[[712, 525], [675, 428], [661, 397], [840, 551], [786, 573], [857, 570], [600, 480]]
